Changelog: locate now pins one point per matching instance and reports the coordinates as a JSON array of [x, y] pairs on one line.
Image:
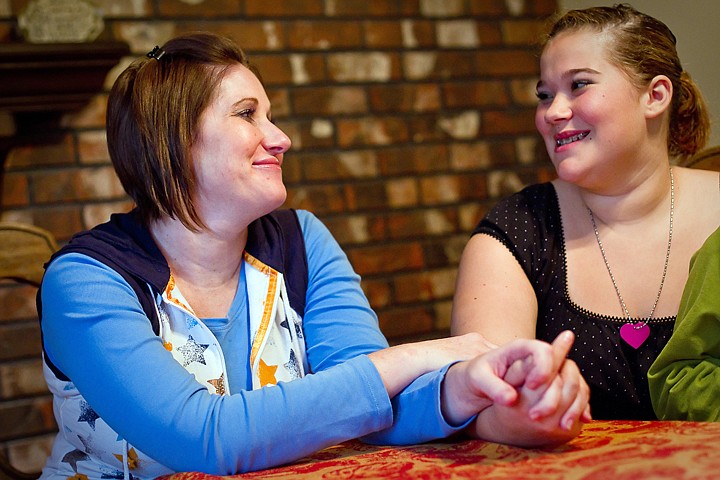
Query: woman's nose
[[275, 141]]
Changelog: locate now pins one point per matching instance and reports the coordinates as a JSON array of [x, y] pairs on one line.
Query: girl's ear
[[658, 96]]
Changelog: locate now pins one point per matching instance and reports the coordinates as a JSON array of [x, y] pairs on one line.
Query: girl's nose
[[558, 110]]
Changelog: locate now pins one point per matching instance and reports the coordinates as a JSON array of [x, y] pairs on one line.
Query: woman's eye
[[246, 113]]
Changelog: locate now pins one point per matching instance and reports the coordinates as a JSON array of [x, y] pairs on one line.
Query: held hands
[[526, 391]]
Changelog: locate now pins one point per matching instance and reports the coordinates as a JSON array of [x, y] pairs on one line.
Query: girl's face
[[238, 153], [589, 114]]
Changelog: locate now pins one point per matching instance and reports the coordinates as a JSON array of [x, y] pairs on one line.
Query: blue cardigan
[[105, 353]]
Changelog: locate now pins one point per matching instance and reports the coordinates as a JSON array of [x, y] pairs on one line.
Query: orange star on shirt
[[267, 374], [219, 384], [132, 457]]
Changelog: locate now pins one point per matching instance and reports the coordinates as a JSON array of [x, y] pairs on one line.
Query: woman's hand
[[542, 416], [526, 393], [568, 386]]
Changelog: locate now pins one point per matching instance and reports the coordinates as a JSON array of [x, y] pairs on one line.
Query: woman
[[604, 249], [207, 331]]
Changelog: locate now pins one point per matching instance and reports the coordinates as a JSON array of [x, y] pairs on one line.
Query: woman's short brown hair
[[644, 47], [152, 117]]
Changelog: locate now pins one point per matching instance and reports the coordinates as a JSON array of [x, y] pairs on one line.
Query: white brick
[[501, 183], [458, 34], [441, 8], [463, 126], [359, 163], [515, 7], [526, 148], [320, 128], [470, 156], [409, 39], [299, 72], [102, 182], [272, 39], [419, 65], [360, 67], [436, 223], [402, 192], [358, 229]]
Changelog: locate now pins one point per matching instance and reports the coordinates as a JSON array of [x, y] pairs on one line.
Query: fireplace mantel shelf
[[40, 82], [62, 77]]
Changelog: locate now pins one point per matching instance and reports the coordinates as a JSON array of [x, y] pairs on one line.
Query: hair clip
[[156, 53]]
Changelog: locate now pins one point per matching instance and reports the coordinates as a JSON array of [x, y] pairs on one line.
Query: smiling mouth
[[573, 138], [265, 163]]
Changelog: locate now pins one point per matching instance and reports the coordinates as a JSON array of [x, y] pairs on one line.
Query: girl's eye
[[543, 96], [578, 84]]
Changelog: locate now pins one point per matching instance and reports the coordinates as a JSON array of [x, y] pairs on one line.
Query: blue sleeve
[[339, 325], [95, 332]]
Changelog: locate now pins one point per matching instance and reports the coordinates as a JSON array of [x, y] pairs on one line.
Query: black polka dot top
[[529, 224]]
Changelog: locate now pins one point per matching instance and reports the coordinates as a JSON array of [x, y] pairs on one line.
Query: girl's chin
[[569, 171]]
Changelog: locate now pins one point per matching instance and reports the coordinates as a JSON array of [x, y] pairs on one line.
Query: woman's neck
[[206, 257]]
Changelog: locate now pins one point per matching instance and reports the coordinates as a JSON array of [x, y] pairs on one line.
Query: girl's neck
[[634, 203]]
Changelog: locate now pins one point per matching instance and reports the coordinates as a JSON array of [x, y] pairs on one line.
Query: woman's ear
[[658, 96]]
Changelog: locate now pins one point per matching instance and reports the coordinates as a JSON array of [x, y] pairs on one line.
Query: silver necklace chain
[[667, 254]]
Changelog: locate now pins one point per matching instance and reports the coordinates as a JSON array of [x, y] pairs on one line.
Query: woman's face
[[238, 153], [589, 114]]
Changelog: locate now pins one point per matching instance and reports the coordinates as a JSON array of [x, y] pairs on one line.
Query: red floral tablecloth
[[615, 450]]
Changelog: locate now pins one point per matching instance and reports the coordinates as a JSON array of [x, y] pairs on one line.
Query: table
[[616, 450]]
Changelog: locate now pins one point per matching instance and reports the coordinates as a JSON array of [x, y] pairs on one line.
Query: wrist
[[457, 402]]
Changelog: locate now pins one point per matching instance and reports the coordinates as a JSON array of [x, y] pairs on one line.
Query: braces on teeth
[[564, 141]]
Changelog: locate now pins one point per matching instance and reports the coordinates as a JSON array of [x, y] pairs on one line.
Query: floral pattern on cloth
[[89, 448], [618, 450]]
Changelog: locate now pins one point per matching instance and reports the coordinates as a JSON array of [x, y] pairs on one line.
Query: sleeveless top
[[528, 223]]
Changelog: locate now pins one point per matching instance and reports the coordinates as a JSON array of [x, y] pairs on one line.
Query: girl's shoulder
[[698, 198]]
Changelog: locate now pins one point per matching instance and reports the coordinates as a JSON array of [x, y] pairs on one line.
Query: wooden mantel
[[36, 77], [39, 82]]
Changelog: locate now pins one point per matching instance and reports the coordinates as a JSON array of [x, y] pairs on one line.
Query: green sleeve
[[685, 378]]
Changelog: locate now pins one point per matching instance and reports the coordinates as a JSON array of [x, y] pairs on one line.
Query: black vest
[[127, 247]]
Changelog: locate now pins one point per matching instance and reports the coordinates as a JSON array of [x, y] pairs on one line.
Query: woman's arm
[[96, 333], [339, 325]]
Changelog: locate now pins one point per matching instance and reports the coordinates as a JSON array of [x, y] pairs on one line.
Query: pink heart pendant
[[635, 334]]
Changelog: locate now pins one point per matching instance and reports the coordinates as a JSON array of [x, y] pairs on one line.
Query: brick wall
[[409, 118]]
